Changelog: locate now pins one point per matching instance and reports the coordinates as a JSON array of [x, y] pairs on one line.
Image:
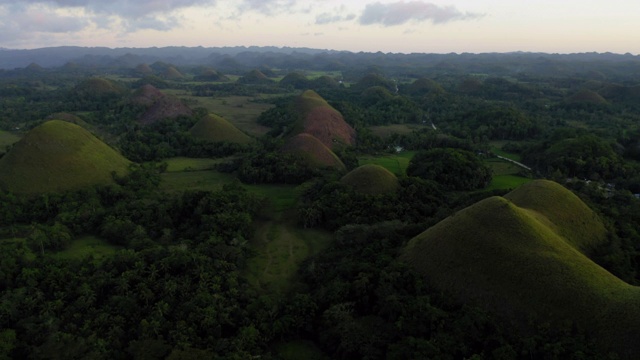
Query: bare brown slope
[[323, 121], [146, 95], [313, 150], [167, 107]]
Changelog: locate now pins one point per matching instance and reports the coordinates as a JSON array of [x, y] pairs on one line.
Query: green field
[[280, 248], [396, 163], [496, 148], [87, 246], [181, 164], [402, 129], [241, 111], [7, 139], [208, 180]]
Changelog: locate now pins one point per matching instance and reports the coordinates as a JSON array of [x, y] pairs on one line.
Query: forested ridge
[[235, 250]]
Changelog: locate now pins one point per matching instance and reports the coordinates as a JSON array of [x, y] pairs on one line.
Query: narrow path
[[514, 162]]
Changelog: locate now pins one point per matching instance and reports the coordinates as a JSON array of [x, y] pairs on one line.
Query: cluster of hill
[[524, 256], [236, 59]]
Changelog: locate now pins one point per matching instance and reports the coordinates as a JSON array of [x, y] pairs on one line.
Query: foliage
[[454, 169]]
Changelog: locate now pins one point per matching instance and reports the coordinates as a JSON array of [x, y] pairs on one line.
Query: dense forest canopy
[[265, 198]]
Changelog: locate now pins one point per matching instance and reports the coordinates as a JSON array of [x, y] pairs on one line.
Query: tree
[[455, 169]]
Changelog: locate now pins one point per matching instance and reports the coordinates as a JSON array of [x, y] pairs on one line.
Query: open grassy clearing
[[87, 246], [402, 129], [396, 163], [206, 180], [241, 111], [280, 248], [496, 148], [7, 139], [181, 164], [280, 197]]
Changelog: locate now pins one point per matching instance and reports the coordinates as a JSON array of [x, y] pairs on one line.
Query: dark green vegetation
[[276, 229]]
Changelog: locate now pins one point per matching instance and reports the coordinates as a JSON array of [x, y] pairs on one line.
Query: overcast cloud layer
[[402, 12], [385, 25]]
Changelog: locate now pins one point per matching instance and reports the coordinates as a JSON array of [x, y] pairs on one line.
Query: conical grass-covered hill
[[313, 151], [58, 156], [371, 179], [520, 257], [97, 88], [215, 128], [321, 120]]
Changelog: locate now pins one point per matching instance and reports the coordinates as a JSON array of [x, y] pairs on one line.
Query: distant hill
[[97, 89], [318, 118], [586, 97], [424, 86], [166, 107], [171, 73], [313, 151], [521, 257], [371, 179], [217, 129], [254, 77], [146, 95], [58, 156]]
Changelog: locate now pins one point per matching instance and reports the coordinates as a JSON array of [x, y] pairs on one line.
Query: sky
[[416, 26]]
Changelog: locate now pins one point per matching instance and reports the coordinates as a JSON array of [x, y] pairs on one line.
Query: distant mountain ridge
[[242, 59]]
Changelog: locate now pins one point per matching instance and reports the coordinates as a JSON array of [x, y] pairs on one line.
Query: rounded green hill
[[58, 156], [515, 261], [313, 151], [217, 129], [371, 179]]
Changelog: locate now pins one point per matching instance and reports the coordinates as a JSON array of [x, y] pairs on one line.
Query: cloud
[[401, 12], [123, 8], [328, 18], [268, 7]]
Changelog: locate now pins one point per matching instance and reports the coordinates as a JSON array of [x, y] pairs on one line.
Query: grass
[[496, 148], [241, 111], [280, 249], [371, 179], [87, 246], [217, 129], [395, 163], [7, 139], [58, 156], [181, 164], [516, 256], [208, 180], [281, 197], [385, 131]]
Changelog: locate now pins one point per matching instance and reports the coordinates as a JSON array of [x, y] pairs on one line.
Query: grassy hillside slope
[[516, 262], [313, 150], [217, 129], [371, 179], [56, 156]]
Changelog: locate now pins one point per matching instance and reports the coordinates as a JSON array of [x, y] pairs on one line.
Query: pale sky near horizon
[[431, 26]]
